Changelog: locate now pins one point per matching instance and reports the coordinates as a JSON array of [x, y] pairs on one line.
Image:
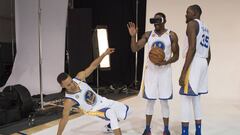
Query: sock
[[184, 130], [198, 129]]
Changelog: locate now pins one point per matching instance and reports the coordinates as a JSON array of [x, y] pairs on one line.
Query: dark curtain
[[7, 57], [115, 15], [78, 40]]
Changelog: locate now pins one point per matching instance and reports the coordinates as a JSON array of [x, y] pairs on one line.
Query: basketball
[[156, 55]]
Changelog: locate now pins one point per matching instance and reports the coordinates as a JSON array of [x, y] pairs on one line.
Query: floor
[[221, 117], [51, 113]]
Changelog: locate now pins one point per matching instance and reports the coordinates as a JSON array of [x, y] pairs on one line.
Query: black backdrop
[[116, 14], [78, 40], [7, 56]]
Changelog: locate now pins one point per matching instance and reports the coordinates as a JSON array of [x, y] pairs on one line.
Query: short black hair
[[161, 14], [196, 8], [62, 76]]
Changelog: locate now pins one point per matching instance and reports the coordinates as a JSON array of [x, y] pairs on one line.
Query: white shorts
[[121, 110], [196, 81], [158, 83]]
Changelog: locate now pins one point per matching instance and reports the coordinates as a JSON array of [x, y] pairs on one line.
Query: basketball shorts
[[121, 110], [196, 81], [158, 83]]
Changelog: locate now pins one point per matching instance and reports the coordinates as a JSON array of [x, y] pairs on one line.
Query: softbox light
[[100, 44]]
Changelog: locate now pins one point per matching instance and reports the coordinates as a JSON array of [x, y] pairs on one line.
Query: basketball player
[[194, 76], [157, 79], [81, 94]]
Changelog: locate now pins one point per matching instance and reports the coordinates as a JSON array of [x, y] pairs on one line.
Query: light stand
[[67, 54], [12, 31], [98, 80], [136, 83], [40, 53]]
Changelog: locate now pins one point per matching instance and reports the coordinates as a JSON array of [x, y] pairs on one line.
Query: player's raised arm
[[84, 74], [136, 45]]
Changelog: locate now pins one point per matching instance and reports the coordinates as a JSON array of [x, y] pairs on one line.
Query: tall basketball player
[[194, 76], [157, 79], [81, 94]]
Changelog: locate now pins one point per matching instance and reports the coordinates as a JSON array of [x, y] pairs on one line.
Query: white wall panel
[[222, 18]]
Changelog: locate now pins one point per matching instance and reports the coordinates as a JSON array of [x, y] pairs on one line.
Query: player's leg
[[149, 113], [197, 114], [186, 113], [111, 115], [122, 111], [165, 114]]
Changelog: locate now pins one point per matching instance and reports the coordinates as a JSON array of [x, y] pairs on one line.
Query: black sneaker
[[147, 132], [166, 133]]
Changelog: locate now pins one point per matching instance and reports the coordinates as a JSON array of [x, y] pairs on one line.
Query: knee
[[150, 107], [110, 114], [164, 104], [165, 108]]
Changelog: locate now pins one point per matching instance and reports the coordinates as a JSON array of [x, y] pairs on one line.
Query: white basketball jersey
[[202, 41], [157, 80], [86, 98], [202, 46], [162, 41]]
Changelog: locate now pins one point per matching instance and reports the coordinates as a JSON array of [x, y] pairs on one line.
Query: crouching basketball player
[[81, 94]]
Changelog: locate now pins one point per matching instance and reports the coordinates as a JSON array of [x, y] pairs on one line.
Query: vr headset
[[156, 20]]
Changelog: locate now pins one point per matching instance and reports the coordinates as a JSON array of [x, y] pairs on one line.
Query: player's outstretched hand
[[109, 51], [132, 29], [181, 79]]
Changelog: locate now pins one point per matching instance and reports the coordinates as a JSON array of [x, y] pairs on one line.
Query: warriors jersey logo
[[158, 44], [90, 97]]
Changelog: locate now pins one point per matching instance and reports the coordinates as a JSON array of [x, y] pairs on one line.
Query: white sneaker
[[108, 129]]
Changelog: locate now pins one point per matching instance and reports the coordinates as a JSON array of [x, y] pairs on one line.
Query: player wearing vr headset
[[157, 79]]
